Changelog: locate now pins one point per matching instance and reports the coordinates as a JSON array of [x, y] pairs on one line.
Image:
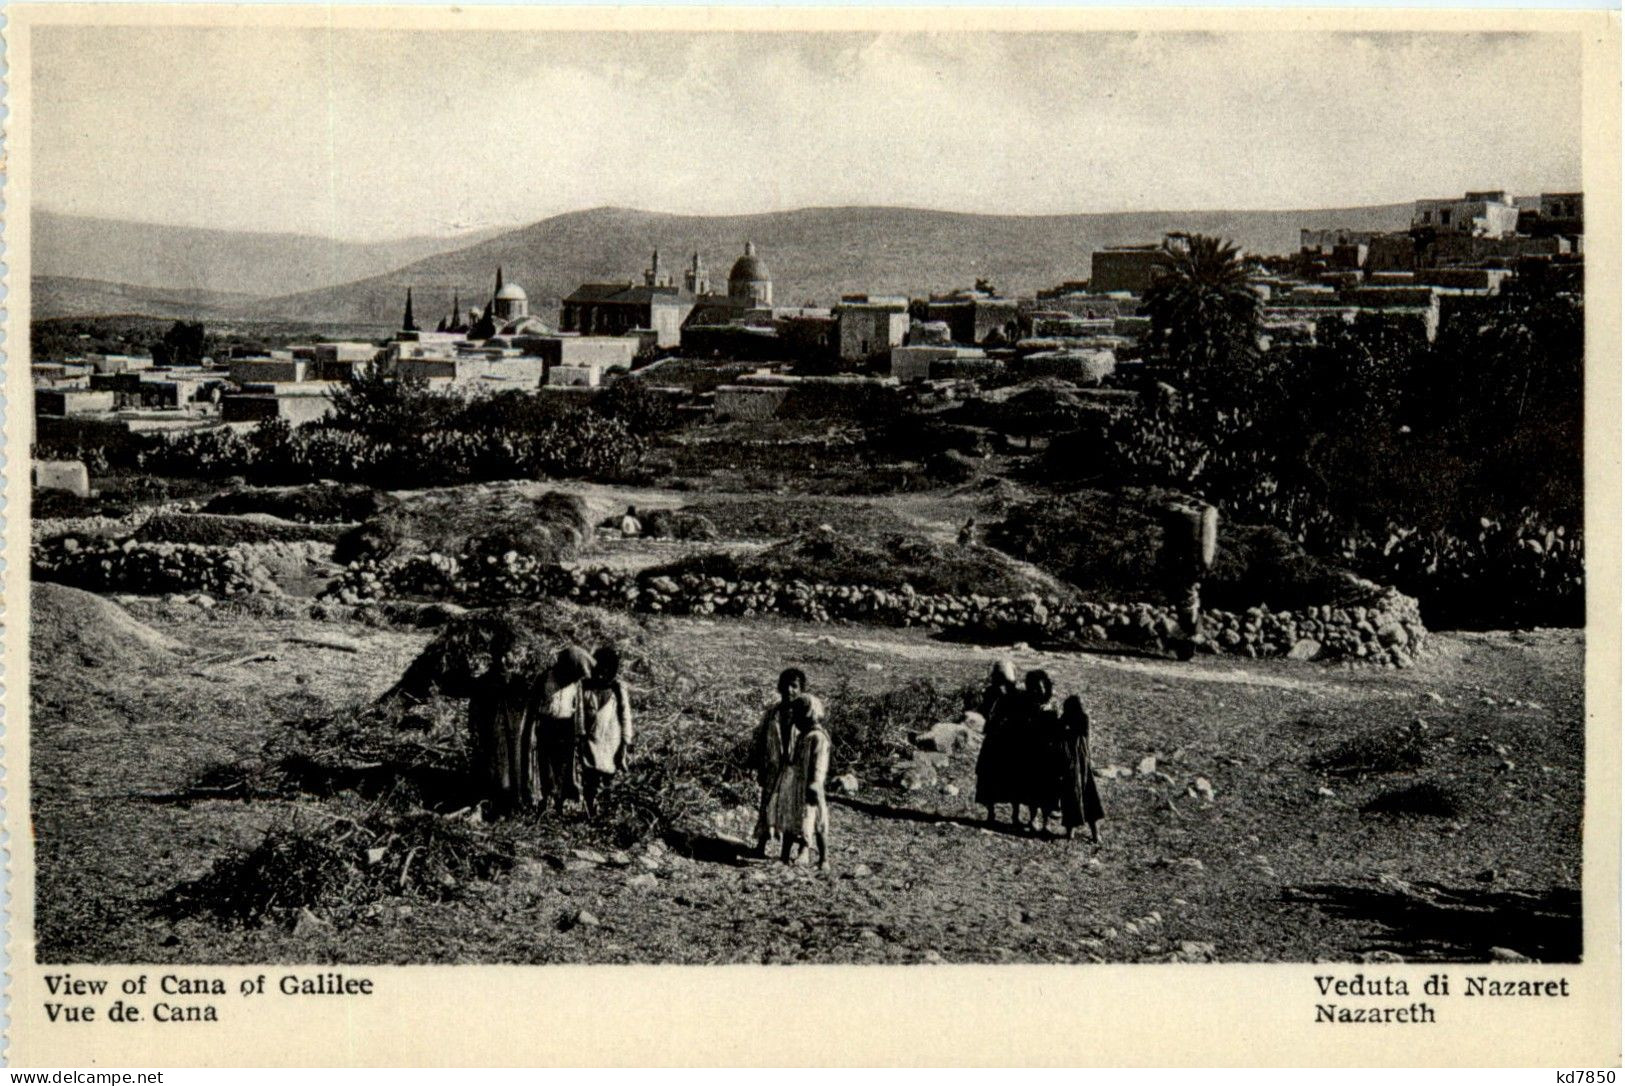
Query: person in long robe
[[1039, 746], [995, 760], [608, 714], [771, 745], [497, 721], [1080, 796], [800, 808], [558, 722]]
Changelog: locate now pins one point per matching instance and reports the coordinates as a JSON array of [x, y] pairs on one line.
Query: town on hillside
[[1211, 606], [1457, 257]]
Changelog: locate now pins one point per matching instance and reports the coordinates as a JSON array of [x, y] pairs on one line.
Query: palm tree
[[1204, 312]]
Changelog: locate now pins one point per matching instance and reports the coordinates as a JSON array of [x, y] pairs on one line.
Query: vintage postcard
[[747, 536]]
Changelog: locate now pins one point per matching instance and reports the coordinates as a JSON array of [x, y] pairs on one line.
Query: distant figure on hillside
[[630, 525], [608, 715], [559, 720], [801, 809], [1039, 745], [772, 745], [1189, 545], [996, 763], [967, 532], [1080, 796]]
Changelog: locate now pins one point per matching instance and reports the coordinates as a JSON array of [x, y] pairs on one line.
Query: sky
[[371, 135]]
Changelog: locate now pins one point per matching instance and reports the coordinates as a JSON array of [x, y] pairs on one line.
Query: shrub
[[517, 644], [678, 524], [323, 502], [951, 467], [1110, 545], [864, 728], [640, 408]]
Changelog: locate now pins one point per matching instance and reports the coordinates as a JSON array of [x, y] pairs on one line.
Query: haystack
[[505, 647]]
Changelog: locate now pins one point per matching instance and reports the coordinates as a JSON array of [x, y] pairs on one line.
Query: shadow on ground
[[1430, 922], [909, 814]]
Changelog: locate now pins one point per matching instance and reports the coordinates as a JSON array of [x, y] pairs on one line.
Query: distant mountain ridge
[[174, 258], [814, 254]]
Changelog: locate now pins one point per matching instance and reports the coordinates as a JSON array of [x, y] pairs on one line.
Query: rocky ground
[[1232, 832]]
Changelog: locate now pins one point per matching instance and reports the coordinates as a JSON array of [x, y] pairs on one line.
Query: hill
[[815, 254], [63, 296], [189, 258]]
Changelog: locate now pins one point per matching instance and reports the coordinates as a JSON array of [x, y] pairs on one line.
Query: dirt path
[[916, 651]]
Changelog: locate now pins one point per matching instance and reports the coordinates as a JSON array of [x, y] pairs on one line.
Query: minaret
[[498, 288], [656, 275], [696, 280], [407, 323], [456, 321]]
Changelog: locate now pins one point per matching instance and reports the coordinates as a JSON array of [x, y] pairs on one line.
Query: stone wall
[[1373, 624], [156, 568]]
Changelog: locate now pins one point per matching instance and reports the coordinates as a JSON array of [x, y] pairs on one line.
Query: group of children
[[791, 756], [565, 739], [1035, 755], [562, 740]]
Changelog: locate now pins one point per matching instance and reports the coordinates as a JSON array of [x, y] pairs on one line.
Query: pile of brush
[[505, 647], [336, 868]]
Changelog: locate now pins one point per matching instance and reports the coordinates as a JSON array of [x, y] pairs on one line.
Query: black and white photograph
[[888, 497]]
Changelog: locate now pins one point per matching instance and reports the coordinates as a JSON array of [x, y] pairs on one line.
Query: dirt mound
[[68, 624], [217, 530], [776, 518], [831, 558], [330, 503], [479, 520]]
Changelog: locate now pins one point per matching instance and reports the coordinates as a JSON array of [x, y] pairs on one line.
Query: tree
[[182, 345], [388, 410], [1204, 312], [644, 410]]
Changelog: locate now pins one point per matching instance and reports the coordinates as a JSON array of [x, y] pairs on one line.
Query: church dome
[[511, 292], [749, 268]]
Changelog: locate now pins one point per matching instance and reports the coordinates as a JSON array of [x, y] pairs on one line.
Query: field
[[1237, 794]]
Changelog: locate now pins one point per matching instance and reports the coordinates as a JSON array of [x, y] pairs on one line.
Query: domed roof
[[511, 292], [526, 326], [749, 268]]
